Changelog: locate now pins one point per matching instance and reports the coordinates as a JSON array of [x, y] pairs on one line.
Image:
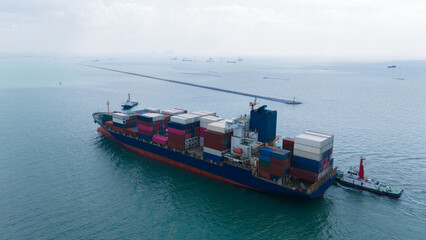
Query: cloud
[[324, 29]]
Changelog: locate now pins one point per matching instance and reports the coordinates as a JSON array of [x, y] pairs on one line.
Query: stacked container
[[312, 156], [183, 131], [150, 124], [274, 163], [173, 111], [107, 117], [204, 121], [121, 120], [217, 140], [160, 139]]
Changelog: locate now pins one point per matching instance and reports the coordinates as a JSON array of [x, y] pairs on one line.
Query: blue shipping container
[[143, 136], [306, 161], [306, 167], [265, 151], [264, 158]]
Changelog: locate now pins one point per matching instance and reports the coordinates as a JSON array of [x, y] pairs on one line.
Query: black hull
[[368, 189]]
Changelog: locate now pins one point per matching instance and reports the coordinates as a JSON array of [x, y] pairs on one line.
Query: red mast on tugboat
[[361, 168]]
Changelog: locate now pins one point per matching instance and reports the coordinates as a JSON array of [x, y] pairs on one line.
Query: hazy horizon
[[329, 30]]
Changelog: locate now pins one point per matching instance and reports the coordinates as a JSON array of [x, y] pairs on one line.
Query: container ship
[[241, 150]]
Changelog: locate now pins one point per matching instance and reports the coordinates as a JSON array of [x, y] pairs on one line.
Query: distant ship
[[129, 104], [240, 59], [392, 66], [186, 60], [231, 61]]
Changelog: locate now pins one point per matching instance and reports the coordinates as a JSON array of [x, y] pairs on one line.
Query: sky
[[329, 29]]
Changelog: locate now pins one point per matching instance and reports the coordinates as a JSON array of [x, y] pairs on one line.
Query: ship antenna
[[108, 106], [252, 104]]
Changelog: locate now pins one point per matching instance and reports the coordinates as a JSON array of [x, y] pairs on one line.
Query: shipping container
[[316, 141], [314, 150], [264, 175], [160, 139], [280, 154], [302, 174], [143, 136], [264, 163]]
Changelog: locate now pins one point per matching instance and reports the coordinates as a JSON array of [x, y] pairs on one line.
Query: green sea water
[[61, 179]]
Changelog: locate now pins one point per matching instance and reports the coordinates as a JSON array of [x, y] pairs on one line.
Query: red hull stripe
[[177, 164]]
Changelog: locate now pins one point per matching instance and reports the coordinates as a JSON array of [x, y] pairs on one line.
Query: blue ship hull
[[221, 171]]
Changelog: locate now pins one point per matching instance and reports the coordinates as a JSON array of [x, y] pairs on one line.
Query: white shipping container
[[185, 118], [155, 110], [173, 111], [120, 116], [312, 140], [218, 127], [204, 121], [154, 116], [215, 152], [201, 141], [203, 113], [314, 150], [121, 121], [321, 134], [315, 157]]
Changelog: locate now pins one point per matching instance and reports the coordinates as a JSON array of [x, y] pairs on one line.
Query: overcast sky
[[342, 29]]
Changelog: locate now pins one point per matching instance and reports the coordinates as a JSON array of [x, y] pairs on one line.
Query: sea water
[[61, 179]]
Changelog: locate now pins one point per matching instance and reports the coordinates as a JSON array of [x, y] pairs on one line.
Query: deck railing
[[324, 179]]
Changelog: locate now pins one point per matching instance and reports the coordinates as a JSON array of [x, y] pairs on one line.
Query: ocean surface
[[61, 179]]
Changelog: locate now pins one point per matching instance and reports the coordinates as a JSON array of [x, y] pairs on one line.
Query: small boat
[[392, 66], [129, 104], [355, 178]]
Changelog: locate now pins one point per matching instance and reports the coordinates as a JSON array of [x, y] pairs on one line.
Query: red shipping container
[[175, 145], [302, 174], [108, 124], [176, 138], [148, 124], [264, 169], [147, 133], [131, 131], [288, 144], [264, 174], [277, 162], [277, 172]]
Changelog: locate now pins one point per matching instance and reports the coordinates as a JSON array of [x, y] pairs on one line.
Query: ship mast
[[108, 106], [361, 168], [252, 104]]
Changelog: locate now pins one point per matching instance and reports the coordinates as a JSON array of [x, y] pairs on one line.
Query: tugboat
[[354, 178], [129, 104]]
